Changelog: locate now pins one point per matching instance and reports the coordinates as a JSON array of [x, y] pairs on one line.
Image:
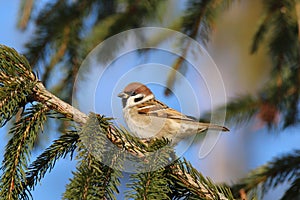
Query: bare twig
[[44, 96]]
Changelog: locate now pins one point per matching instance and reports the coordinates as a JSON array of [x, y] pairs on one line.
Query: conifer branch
[[92, 180], [278, 23], [279, 96], [61, 50], [192, 183], [16, 83], [239, 110], [196, 10], [18, 151], [100, 181], [281, 169], [293, 192], [149, 185], [151, 181], [66, 144], [47, 34], [26, 10], [41, 94], [261, 32], [94, 177], [121, 138], [197, 23], [200, 17]]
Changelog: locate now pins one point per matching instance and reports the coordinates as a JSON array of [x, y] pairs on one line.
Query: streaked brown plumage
[[147, 117]]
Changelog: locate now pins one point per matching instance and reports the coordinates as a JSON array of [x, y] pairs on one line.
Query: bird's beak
[[123, 95]]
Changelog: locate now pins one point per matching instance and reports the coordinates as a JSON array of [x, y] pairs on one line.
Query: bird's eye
[[138, 99]]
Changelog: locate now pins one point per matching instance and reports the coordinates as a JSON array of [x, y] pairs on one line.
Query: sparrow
[[146, 117]]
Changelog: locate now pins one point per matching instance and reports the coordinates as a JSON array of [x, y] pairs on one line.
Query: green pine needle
[[18, 149], [92, 178], [66, 144], [238, 111], [150, 181], [293, 192], [191, 184], [200, 17], [149, 185], [274, 173], [16, 83], [14, 66]]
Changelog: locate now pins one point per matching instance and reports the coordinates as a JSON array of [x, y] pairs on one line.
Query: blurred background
[[247, 146]]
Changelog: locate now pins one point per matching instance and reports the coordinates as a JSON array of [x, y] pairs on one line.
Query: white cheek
[[131, 102]]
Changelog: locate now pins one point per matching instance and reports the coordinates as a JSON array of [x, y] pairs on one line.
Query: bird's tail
[[205, 126]]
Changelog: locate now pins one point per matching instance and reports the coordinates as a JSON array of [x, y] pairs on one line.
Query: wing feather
[[158, 109]]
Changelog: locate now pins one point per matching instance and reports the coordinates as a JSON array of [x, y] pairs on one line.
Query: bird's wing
[[158, 109]]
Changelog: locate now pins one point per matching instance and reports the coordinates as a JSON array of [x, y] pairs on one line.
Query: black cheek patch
[[124, 102], [138, 99]]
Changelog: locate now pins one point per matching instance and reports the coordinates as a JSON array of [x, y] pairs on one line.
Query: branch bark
[[53, 102], [44, 96], [190, 182]]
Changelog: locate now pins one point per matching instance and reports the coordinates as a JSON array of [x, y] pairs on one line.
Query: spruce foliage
[[94, 177], [65, 32], [282, 169]]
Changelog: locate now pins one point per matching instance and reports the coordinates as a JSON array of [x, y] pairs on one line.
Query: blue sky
[[235, 153]]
